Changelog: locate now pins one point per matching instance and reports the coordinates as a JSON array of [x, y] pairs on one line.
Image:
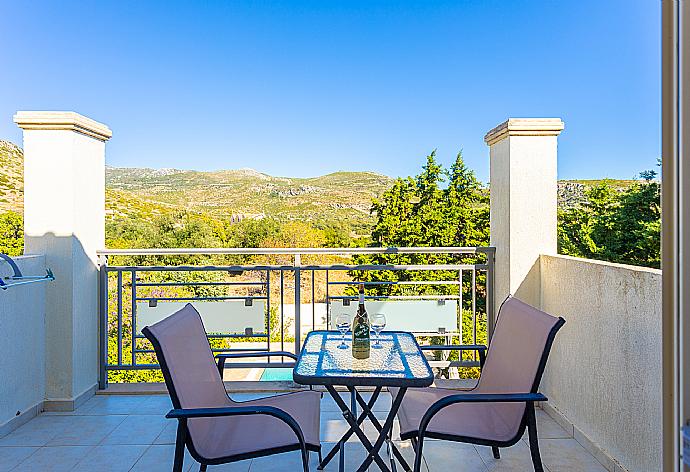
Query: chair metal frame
[[183, 437], [528, 421]]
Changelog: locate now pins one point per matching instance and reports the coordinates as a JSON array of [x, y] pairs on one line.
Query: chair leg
[[418, 454], [497, 454], [320, 459], [179, 445], [203, 468], [533, 440], [305, 459]]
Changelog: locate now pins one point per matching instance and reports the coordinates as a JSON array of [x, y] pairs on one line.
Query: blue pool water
[[275, 374]]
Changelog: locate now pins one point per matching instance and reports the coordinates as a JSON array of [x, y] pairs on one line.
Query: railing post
[[490, 294], [102, 322], [298, 303]]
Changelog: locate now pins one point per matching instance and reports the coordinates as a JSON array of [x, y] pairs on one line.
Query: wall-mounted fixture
[[17, 278]]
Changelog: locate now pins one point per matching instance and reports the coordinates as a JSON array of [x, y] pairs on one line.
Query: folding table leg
[[387, 426], [352, 421], [341, 458], [366, 407], [391, 446]]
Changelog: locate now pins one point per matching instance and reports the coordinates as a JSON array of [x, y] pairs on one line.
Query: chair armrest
[[490, 398], [188, 413], [477, 398], [183, 414], [480, 348], [241, 355], [454, 347]]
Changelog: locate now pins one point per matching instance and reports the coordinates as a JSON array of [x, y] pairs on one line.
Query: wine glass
[[377, 325], [342, 322]]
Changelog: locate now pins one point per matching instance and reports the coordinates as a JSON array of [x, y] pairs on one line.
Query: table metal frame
[[355, 421]]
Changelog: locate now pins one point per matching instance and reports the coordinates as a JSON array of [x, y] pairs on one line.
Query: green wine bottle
[[360, 330]]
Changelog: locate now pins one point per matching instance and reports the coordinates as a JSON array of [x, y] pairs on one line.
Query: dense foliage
[[11, 233], [616, 226], [438, 207], [422, 211]]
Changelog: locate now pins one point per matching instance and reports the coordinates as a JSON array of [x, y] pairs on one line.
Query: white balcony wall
[[604, 373], [22, 350]]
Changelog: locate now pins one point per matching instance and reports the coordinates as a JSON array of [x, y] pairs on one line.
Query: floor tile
[[118, 458], [548, 428], [383, 402], [114, 404], [287, 462], [137, 429], [463, 457], [11, 456], [86, 430], [168, 434], [567, 455], [408, 453], [160, 459], [334, 426], [54, 459], [154, 405], [96, 438], [37, 432], [514, 458], [354, 456]]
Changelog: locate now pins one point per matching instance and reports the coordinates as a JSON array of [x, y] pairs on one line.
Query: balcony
[[128, 432], [83, 390]]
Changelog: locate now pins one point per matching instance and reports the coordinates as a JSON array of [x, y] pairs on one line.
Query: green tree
[[616, 226], [420, 211], [11, 233]]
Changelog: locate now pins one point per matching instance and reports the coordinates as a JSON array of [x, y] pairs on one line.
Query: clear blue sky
[[306, 88]]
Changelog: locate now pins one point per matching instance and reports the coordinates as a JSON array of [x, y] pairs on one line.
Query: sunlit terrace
[[91, 396]]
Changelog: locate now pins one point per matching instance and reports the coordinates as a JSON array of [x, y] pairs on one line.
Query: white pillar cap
[[524, 127], [62, 120]]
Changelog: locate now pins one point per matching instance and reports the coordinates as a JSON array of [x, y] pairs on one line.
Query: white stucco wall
[[604, 372], [64, 218], [22, 349]]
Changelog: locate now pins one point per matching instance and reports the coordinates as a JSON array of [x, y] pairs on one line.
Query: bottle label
[[360, 338]]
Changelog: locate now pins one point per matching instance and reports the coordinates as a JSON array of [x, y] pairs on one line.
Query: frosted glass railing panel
[[226, 317], [416, 316]]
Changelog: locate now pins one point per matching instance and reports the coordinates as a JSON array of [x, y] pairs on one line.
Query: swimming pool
[[276, 374]]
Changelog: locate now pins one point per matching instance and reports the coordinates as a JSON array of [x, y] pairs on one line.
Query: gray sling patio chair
[[214, 428], [496, 412]]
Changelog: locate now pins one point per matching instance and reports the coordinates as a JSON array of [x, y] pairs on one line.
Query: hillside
[[246, 193], [11, 177], [142, 193], [571, 193]]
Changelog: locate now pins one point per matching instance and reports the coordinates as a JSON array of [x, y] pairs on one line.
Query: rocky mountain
[[247, 193], [11, 177], [571, 193], [143, 193]]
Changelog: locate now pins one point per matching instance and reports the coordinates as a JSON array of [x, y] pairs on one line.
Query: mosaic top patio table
[[399, 362]]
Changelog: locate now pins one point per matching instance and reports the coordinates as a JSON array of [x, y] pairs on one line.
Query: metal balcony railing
[[268, 299]]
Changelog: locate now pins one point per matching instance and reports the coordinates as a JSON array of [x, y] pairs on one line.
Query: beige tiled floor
[[129, 433]]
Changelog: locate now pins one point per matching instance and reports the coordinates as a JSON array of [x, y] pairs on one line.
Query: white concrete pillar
[[64, 218], [523, 185]]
